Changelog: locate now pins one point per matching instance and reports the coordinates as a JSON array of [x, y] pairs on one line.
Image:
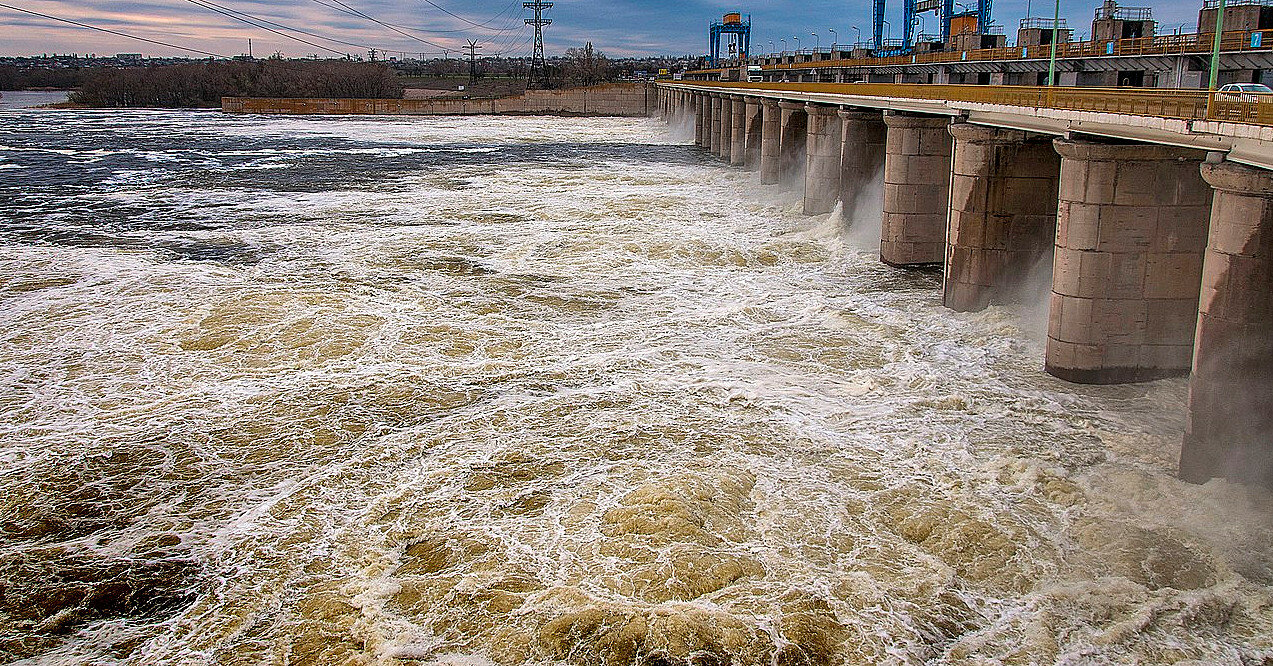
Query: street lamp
[[771, 46], [784, 45], [888, 31], [859, 35], [836, 40], [817, 42], [797, 42]]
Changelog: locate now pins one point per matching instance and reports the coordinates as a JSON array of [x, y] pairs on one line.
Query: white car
[[1244, 92]]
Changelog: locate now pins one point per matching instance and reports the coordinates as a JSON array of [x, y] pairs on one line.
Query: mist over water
[[534, 390]]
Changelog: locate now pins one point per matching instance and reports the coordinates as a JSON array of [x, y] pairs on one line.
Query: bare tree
[[586, 66]]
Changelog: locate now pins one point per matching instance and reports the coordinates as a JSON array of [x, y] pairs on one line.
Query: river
[[538, 391], [25, 99]]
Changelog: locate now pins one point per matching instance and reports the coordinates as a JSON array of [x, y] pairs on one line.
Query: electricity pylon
[[538, 66]]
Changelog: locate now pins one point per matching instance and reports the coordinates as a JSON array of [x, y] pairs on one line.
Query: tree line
[[13, 78], [203, 84]]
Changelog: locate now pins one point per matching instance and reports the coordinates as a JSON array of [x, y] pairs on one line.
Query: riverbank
[[616, 99]]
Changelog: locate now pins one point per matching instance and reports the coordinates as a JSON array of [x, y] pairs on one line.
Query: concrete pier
[[755, 133], [771, 142], [717, 110], [916, 190], [824, 140], [795, 122], [1131, 229], [726, 127], [738, 133], [1002, 223], [861, 156], [1231, 389], [704, 121]]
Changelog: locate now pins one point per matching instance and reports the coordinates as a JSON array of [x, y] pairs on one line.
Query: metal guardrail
[[1156, 103], [1044, 23], [1185, 44], [1213, 4], [1241, 108], [1124, 13]]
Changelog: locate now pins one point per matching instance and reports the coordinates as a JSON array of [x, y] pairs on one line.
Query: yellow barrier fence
[[1157, 103]]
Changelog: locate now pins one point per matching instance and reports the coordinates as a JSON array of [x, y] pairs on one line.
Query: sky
[[617, 27]]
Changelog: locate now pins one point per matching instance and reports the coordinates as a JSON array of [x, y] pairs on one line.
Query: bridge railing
[[1241, 108], [1157, 103], [1236, 41]]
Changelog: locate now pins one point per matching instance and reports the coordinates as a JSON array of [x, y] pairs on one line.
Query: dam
[[1151, 212], [354, 386]]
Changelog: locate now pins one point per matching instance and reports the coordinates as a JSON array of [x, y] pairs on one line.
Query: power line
[[230, 14], [516, 40], [360, 14], [521, 45], [285, 27], [475, 25], [113, 32]]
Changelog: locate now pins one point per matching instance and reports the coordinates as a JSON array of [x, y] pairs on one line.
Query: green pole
[[1056, 19], [1215, 47]]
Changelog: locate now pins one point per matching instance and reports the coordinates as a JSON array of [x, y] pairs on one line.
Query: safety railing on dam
[[1157, 103], [1236, 41]]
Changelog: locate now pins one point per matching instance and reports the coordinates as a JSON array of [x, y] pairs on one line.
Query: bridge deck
[[1188, 118]]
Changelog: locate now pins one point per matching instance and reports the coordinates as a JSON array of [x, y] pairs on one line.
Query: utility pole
[[1215, 47], [1056, 19], [473, 48], [538, 66], [249, 49]]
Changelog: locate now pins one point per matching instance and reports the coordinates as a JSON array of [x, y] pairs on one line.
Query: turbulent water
[[527, 390]]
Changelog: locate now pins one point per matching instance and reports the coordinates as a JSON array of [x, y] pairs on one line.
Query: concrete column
[[738, 133], [822, 164], [700, 116], [714, 139], [916, 190], [795, 123], [861, 157], [1231, 390], [1003, 201], [771, 142], [755, 133], [726, 127], [1131, 229]]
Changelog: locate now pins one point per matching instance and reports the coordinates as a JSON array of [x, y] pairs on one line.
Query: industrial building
[[1125, 49]]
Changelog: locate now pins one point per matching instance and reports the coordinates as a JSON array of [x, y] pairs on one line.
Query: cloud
[[618, 27]]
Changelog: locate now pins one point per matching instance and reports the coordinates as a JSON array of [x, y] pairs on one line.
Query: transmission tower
[[538, 67], [473, 48]]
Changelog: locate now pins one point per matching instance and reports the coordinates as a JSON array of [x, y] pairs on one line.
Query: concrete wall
[[620, 99]]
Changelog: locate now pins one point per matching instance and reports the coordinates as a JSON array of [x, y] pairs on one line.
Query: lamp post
[[888, 31], [797, 43], [784, 45], [1215, 48], [771, 46], [858, 38], [834, 41], [817, 42]]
